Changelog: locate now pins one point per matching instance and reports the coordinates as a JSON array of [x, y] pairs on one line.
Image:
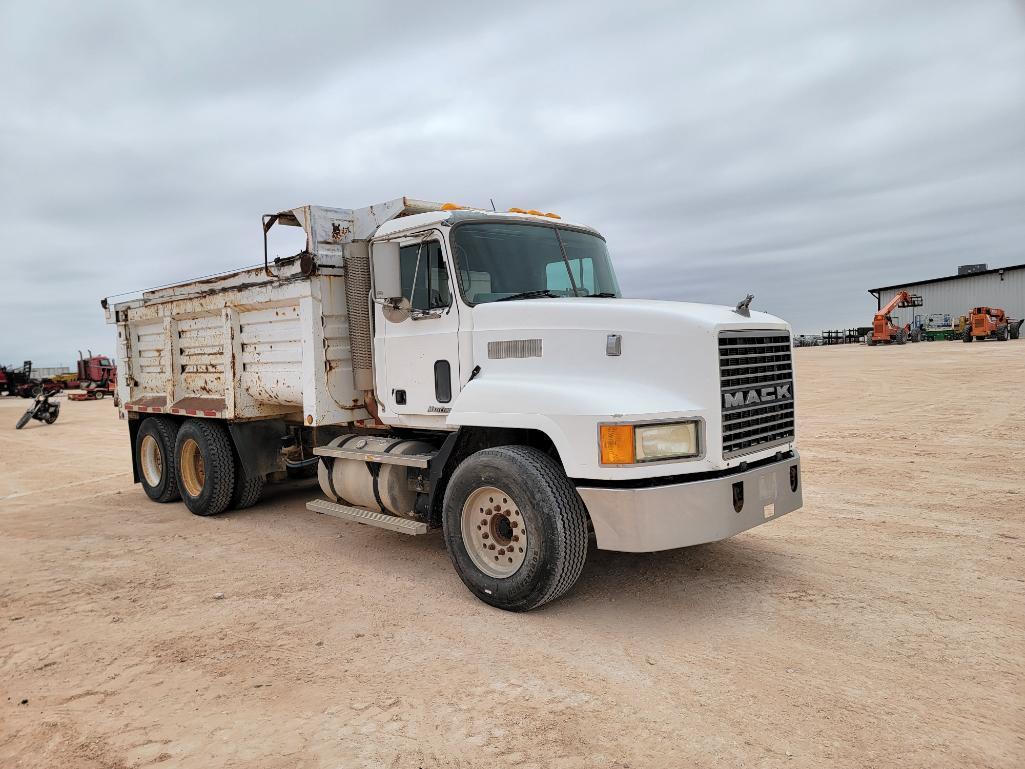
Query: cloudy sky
[[803, 151]]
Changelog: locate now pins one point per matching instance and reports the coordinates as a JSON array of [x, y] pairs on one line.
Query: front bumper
[[666, 517]]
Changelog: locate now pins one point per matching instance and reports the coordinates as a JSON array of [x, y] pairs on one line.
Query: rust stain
[[149, 401], [208, 404]]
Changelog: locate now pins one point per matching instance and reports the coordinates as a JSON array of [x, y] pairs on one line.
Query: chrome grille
[[757, 399]]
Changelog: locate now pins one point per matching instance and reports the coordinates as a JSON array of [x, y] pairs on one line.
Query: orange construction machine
[[884, 331], [990, 323]]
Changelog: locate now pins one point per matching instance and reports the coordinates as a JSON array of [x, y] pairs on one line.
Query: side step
[[369, 517], [409, 460]]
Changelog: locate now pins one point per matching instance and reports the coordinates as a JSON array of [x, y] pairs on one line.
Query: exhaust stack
[[357, 306]]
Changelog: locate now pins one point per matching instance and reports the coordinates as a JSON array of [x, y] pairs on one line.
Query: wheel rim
[[493, 532], [192, 467], [149, 456]]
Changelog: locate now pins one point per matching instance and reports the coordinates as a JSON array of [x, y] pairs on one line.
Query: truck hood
[[553, 373], [616, 316]]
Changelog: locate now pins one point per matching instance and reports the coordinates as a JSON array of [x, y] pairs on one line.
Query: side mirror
[[384, 263]]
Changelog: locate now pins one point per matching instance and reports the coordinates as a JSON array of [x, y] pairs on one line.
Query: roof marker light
[[534, 212]]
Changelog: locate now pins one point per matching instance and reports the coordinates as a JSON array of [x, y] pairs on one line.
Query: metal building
[[955, 295]]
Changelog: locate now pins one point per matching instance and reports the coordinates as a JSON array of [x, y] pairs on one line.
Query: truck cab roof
[[419, 221]]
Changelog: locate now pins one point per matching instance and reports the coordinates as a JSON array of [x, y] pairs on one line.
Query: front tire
[[509, 499], [154, 456], [24, 419], [966, 335], [206, 467]]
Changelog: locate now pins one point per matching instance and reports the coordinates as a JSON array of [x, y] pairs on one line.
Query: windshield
[[507, 261]]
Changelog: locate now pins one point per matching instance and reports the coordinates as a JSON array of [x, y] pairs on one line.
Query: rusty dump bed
[[264, 342], [241, 346]]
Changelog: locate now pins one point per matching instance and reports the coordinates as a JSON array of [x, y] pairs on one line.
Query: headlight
[[630, 444], [666, 441]]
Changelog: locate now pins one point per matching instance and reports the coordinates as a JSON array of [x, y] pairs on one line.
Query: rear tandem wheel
[[154, 457], [206, 466]]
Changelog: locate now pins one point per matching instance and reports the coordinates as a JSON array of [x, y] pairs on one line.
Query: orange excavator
[[883, 329], [990, 323]]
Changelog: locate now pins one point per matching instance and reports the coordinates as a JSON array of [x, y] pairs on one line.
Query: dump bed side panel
[[246, 347]]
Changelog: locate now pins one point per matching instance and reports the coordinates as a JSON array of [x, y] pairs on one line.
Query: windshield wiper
[[604, 295], [537, 294]]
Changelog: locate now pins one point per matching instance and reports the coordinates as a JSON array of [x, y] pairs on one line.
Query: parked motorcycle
[[41, 408]]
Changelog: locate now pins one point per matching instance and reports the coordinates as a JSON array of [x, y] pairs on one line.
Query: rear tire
[[247, 490], [869, 340], [206, 467], [154, 456], [521, 496], [900, 337]]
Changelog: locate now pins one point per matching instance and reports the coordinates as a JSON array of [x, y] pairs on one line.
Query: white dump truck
[[449, 368]]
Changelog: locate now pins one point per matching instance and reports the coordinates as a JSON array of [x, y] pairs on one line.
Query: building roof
[[947, 277]]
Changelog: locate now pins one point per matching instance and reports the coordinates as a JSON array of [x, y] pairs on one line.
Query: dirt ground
[[881, 625]]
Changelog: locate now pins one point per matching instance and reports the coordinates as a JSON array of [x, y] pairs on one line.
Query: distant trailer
[[844, 336], [47, 372]]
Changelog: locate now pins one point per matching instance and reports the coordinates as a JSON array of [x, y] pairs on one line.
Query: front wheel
[[24, 419], [966, 335], [206, 466], [515, 527]]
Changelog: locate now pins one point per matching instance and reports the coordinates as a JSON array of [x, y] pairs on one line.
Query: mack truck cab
[[475, 373]]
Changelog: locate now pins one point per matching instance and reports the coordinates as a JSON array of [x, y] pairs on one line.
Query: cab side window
[[424, 277]]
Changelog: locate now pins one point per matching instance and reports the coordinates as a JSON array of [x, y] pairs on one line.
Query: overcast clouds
[[804, 151]]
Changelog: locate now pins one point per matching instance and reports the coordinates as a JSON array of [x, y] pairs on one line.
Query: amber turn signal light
[[617, 444]]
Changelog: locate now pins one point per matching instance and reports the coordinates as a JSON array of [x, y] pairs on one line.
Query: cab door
[[421, 352]]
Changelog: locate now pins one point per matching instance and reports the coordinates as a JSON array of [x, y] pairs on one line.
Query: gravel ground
[[882, 625]]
